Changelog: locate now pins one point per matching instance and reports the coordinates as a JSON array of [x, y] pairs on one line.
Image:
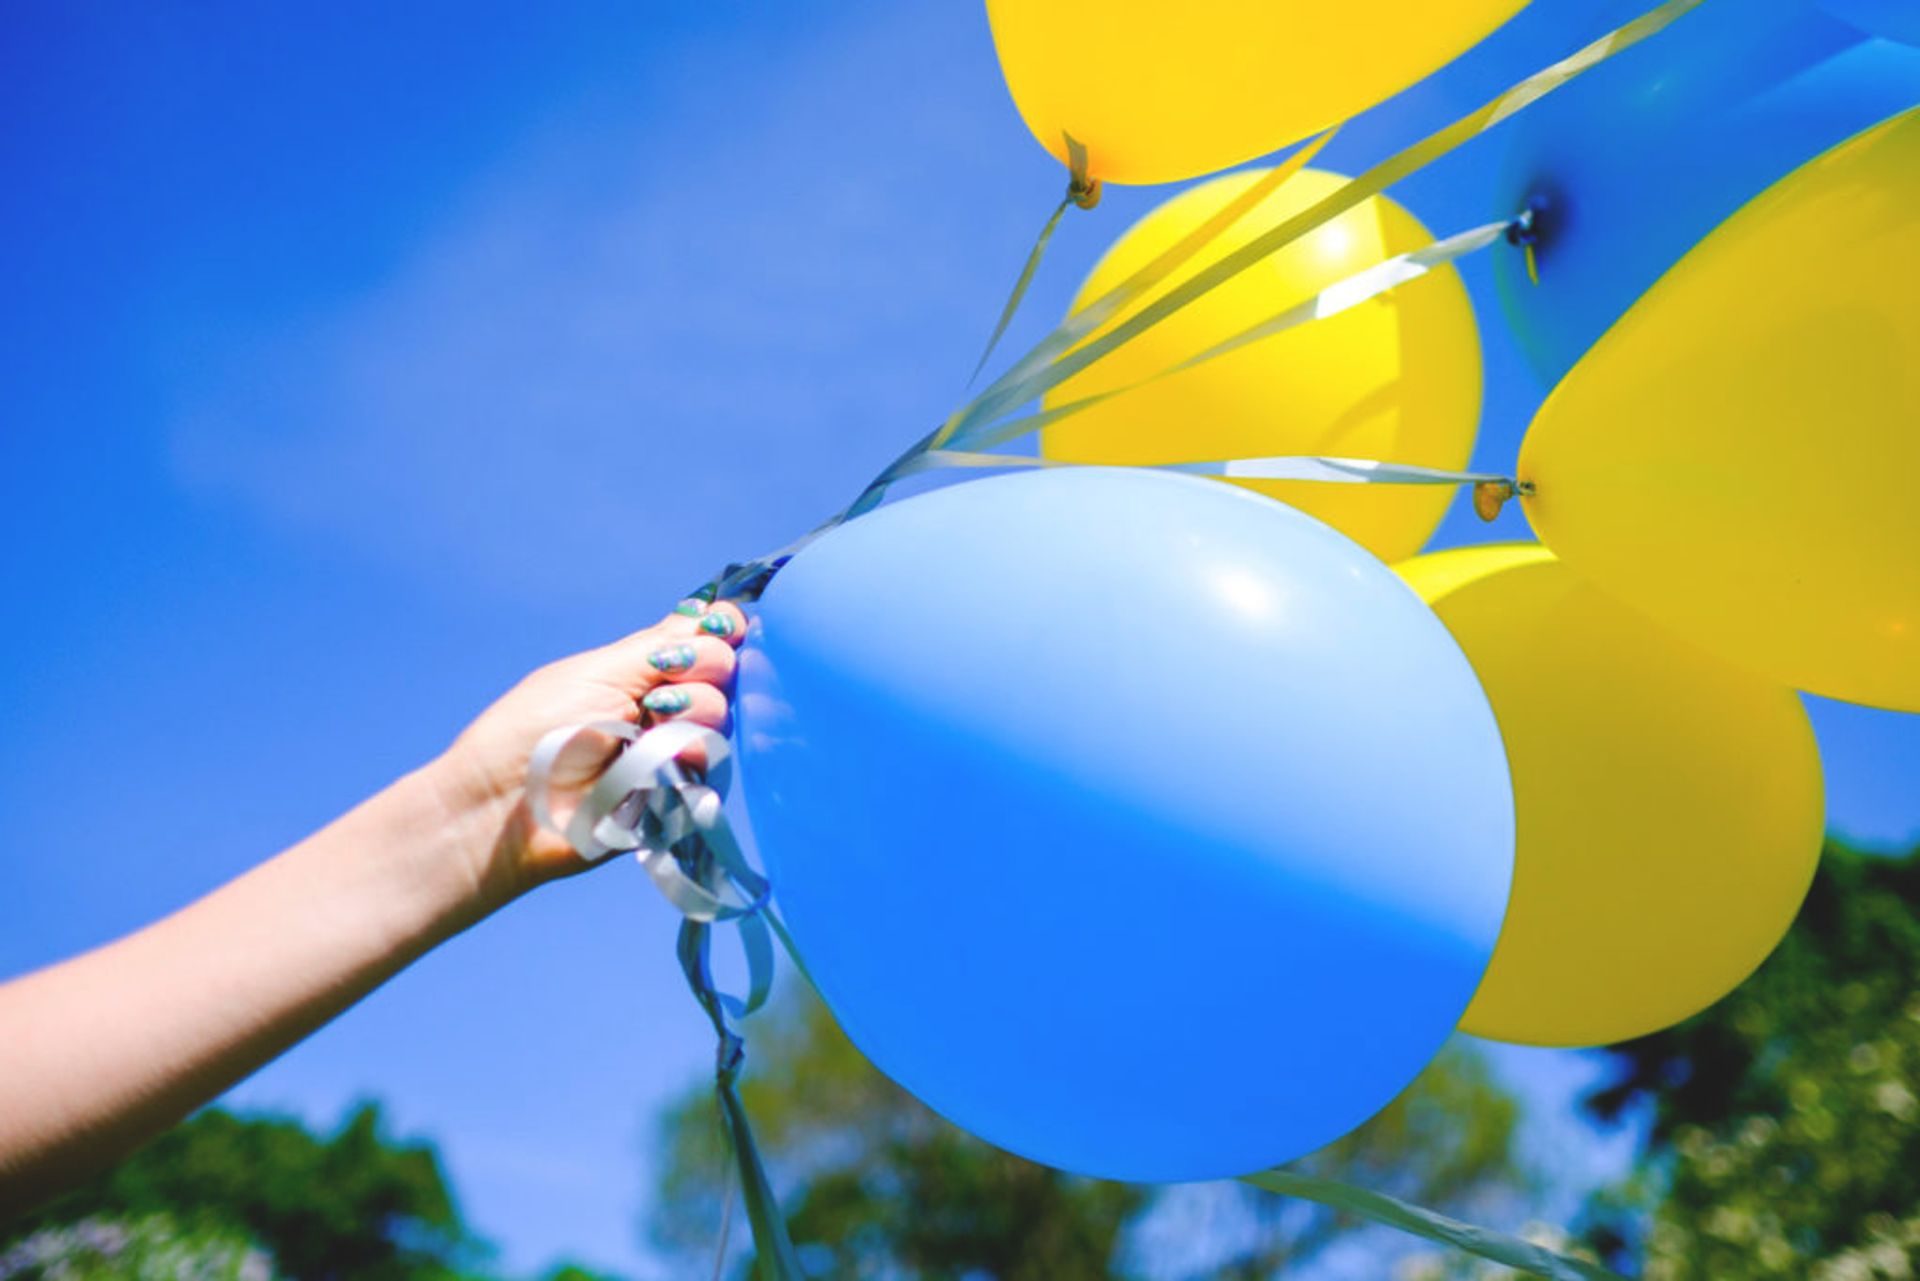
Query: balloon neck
[[1525, 231], [1083, 189], [1525, 227]]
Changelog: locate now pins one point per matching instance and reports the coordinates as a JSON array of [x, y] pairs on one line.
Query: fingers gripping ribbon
[[649, 802]]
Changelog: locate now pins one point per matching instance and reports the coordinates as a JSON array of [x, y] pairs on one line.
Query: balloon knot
[[1489, 496], [1082, 188], [1524, 232]]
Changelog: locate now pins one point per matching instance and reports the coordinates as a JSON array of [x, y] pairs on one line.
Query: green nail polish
[[667, 700], [690, 608], [717, 623], [674, 658]]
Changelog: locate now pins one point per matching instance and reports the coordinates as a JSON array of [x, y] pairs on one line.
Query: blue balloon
[[1894, 19], [1632, 164], [1137, 823]]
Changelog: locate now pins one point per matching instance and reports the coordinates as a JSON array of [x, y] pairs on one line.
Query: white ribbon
[[646, 801]]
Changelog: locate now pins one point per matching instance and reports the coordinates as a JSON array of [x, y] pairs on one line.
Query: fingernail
[[718, 623], [667, 700], [690, 608], [674, 658]]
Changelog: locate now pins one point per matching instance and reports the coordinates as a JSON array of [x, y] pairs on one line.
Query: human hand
[[678, 669]]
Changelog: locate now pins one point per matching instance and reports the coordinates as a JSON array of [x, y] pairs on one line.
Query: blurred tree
[[149, 1249], [1785, 1124], [352, 1205], [877, 1186]]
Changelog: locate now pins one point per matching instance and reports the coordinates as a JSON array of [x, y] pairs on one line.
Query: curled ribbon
[[649, 801], [674, 822], [646, 802]]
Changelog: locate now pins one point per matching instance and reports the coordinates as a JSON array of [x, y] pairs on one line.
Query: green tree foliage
[[351, 1205], [150, 1249], [1785, 1136], [876, 1186]]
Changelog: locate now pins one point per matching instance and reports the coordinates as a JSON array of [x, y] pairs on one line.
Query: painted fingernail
[[690, 608], [674, 658], [718, 623], [667, 700]]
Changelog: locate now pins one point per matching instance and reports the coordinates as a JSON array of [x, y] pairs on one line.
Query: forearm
[[104, 1051], [101, 1052]]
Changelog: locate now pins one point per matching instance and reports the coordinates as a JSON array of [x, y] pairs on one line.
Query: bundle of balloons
[[1156, 811]]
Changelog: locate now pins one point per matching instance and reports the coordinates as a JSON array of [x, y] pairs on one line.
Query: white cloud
[[741, 298]]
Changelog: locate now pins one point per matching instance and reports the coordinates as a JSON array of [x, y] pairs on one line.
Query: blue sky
[[356, 358]]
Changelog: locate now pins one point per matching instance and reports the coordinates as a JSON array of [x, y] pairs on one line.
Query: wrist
[[451, 835]]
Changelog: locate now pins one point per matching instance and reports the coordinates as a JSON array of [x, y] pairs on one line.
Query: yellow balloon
[[1667, 806], [1740, 455], [1159, 92], [1395, 379]]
